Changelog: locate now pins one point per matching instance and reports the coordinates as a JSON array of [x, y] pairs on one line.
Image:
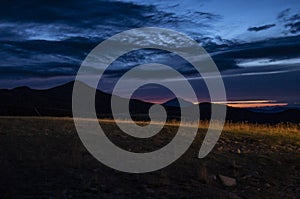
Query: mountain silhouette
[[175, 103], [57, 101]]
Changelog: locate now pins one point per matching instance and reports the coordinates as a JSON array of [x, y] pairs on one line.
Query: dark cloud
[[207, 15], [55, 58], [293, 23], [226, 57], [79, 13], [76, 16], [276, 48], [290, 21], [59, 20], [283, 14], [47, 39], [260, 28], [51, 38]]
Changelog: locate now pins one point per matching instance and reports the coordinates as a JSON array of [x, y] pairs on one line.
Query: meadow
[[43, 157]]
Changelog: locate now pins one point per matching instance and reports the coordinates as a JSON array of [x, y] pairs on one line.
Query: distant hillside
[[175, 103], [57, 101]]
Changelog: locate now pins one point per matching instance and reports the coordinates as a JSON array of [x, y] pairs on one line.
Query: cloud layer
[[44, 42]]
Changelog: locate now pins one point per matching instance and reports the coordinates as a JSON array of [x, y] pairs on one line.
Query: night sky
[[255, 44]]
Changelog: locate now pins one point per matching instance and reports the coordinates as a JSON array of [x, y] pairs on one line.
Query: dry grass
[[285, 129], [279, 128]]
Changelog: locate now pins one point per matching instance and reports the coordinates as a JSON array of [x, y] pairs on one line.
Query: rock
[[220, 148], [239, 151], [246, 177], [227, 181], [214, 177]]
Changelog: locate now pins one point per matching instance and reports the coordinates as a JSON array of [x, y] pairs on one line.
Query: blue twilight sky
[[255, 44]]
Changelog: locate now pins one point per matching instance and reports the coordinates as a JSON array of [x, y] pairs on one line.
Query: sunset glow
[[256, 105], [252, 103]]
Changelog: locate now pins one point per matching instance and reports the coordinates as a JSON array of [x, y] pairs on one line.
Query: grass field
[[44, 158]]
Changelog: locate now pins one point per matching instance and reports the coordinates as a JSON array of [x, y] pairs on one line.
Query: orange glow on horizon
[[252, 103], [246, 102], [255, 105], [237, 103]]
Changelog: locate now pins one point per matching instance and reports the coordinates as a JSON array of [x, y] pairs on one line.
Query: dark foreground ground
[[44, 158]]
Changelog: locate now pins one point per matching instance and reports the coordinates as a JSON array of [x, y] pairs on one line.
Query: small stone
[[220, 148], [149, 190], [246, 177], [239, 151], [93, 189], [214, 177], [227, 181]]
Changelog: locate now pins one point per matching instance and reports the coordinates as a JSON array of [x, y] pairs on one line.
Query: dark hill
[[57, 101]]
